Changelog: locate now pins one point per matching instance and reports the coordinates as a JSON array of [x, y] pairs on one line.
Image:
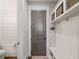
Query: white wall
[[52, 41], [67, 39], [22, 29], [8, 28], [13, 27]]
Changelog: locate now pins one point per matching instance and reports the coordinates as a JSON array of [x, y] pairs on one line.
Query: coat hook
[[67, 19], [52, 28], [58, 22]]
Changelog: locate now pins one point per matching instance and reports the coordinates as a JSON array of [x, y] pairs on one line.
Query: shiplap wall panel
[[8, 25]]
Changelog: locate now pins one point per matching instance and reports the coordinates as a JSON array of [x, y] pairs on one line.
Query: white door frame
[[39, 7]]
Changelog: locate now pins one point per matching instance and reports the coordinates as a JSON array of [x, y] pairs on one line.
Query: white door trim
[[39, 7]]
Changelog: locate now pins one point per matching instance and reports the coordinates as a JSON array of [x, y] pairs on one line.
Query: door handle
[[44, 38], [18, 43]]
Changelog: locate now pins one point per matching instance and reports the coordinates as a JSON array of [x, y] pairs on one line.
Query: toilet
[[2, 53]]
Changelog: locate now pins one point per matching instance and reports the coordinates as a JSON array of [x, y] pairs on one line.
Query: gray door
[[38, 33]]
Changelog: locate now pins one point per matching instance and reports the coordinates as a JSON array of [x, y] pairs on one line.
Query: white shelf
[[73, 11]]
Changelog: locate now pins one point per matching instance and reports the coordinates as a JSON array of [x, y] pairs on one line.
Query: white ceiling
[[43, 1]]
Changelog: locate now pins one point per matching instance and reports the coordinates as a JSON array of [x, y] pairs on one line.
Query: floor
[[39, 57]]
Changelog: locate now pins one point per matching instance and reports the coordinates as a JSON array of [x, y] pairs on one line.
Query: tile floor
[[39, 57]]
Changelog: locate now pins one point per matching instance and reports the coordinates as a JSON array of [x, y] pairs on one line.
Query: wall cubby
[[59, 10], [70, 3], [65, 9], [53, 16]]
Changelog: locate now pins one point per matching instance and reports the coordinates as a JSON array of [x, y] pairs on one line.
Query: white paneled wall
[[22, 29], [52, 41], [67, 39], [8, 25]]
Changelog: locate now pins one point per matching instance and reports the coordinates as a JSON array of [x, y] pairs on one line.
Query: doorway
[[38, 32]]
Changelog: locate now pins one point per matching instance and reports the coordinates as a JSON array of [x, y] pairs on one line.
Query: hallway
[[43, 29]]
